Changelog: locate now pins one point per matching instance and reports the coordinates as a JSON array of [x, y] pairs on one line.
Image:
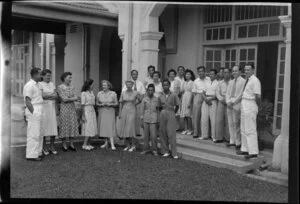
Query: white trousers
[[208, 114], [34, 143], [249, 112], [234, 121]]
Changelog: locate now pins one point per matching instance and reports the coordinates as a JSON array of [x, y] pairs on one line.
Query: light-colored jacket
[[237, 96]]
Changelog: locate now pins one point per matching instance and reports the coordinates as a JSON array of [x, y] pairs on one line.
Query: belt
[[169, 108], [248, 99]]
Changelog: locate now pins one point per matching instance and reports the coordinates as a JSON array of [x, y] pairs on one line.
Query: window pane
[[242, 64], [227, 65], [281, 80], [222, 33], [243, 54], [209, 55], [252, 31], [17, 70], [228, 33], [279, 109], [233, 55], [232, 64], [217, 65], [263, 30], [217, 55], [208, 34], [227, 55], [284, 31], [251, 54], [209, 65], [278, 122], [242, 32], [280, 95], [282, 53], [215, 34], [281, 68], [274, 29]]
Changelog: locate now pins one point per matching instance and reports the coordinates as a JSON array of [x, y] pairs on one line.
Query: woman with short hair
[[68, 117], [107, 101], [89, 126], [49, 122]]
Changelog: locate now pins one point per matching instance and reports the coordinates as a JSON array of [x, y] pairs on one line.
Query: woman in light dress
[[68, 116], [89, 126], [49, 123], [128, 101], [187, 101], [157, 84], [107, 101]]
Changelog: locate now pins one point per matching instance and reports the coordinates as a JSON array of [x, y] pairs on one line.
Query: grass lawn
[[107, 174]]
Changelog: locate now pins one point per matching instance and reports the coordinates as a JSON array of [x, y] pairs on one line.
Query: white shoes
[[126, 148], [132, 149], [189, 132], [86, 147], [104, 145], [113, 148], [184, 132], [166, 155], [175, 157]]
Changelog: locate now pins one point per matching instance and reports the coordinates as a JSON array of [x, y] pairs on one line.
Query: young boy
[[149, 119], [169, 103]]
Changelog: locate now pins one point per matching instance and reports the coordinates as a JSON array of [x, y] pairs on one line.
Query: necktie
[[233, 88], [135, 86], [245, 84]]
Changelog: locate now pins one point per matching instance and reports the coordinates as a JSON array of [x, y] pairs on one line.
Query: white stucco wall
[[74, 55]]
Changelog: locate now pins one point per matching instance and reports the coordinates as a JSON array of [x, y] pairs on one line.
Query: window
[[279, 90], [230, 57], [213, 58], [218, 33], [258, 30], [217, 13], [247, 55], [251, 12]]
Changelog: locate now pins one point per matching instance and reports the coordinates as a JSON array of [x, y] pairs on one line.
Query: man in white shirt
[[209, 107], [222, 129], [149, 78], [199, 87], [139, 87], [249, 108], [233, 101], [34, 112]]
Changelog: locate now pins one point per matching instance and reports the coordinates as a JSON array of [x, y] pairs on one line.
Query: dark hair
[[151, 66], [191, 72], [172, 70], [221, 68], [34, 71], [87, 84], [64, 75], [134, 71], [180, 67], [151, 86], [213, 70], [156, 72], [166, 80], [45, 72], [250, 64], [201, 67]]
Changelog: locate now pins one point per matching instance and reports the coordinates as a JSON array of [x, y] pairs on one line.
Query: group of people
[[222, 107]]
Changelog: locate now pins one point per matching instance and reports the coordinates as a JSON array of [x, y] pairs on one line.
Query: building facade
[[118, 37]]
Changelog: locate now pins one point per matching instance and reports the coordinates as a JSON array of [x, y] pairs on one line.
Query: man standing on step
[[233, 100], [209, 108], [251, 99], [34, 113], [222, 129], [199, 87]]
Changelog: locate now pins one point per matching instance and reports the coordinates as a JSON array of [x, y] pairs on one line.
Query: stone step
[[216, 160], [213, 148]]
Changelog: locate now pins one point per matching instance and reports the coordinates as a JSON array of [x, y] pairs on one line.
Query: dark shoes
[[72, 149], [195, 136], [241, 153], [250, 156], [230, 145], [34, 159], [218, 141]]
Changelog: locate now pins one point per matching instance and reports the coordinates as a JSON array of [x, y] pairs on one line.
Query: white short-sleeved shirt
[[175, 85], [252, 87], [158, 89], [200, 85], [47, 88], [139, 86], [211, 87], [32, 89]]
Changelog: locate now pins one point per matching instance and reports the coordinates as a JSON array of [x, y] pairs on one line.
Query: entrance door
[[21, 62], [279, 89]]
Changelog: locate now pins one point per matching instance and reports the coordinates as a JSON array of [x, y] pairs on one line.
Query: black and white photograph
[[168, 101]]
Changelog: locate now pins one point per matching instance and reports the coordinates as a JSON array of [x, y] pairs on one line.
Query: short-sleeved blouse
[[107, 97], [87, 98], [48, 88], [127, 96]]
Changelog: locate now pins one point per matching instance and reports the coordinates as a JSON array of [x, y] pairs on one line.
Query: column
[[149, 54], [281, 145]]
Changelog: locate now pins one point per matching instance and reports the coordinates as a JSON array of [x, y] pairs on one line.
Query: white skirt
[[49, 122]]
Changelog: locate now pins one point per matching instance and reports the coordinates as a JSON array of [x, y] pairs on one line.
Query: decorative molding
[[151, 35], [122, 37], [286, 21], [150, 50]]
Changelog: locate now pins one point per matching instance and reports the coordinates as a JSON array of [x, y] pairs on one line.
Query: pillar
[[281, 145]]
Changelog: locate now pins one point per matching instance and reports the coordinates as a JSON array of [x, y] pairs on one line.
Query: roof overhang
[[67, 12]]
